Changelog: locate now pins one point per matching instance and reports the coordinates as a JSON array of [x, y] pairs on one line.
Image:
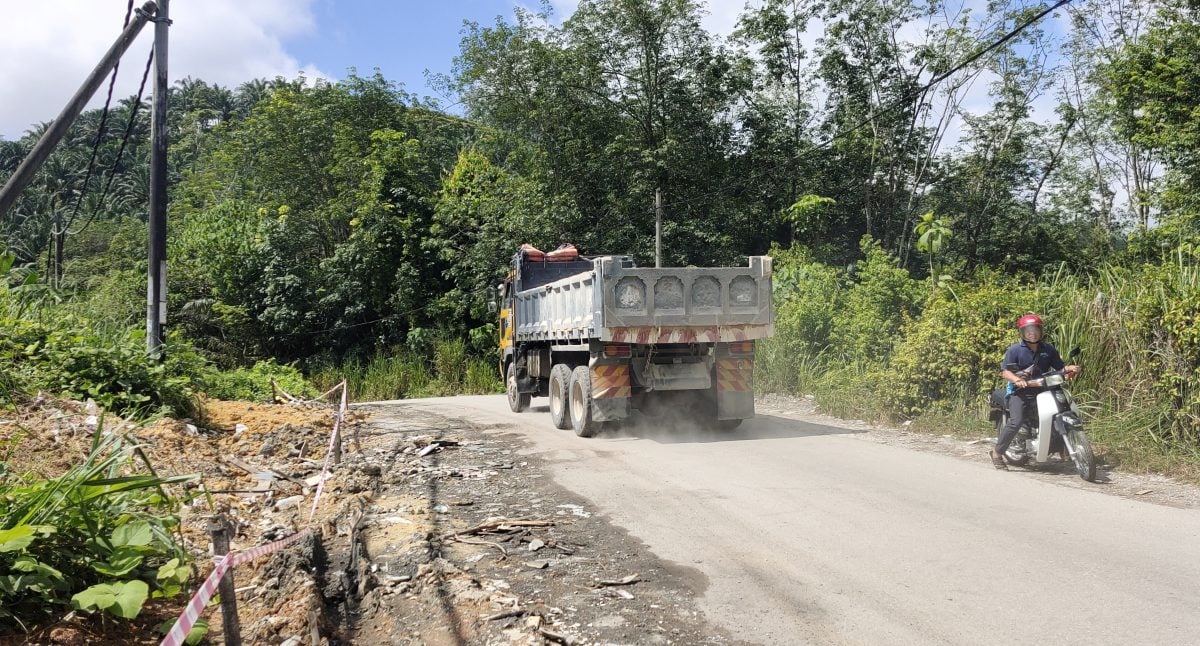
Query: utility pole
[[657, 227], [58, 128], [156, 279]]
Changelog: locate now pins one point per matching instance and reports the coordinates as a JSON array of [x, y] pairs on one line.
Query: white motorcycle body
[[1055, 415], [1047, 409]]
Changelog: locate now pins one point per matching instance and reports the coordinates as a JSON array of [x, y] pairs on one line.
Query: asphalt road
[[812, 534]]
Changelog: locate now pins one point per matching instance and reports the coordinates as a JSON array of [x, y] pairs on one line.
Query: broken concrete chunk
[[288, 503]]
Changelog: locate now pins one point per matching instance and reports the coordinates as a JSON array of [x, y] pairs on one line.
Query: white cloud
[[720, 15], [45, 54]]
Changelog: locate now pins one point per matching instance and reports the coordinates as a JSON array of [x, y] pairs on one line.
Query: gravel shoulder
[[1146, 487], [545, 568]]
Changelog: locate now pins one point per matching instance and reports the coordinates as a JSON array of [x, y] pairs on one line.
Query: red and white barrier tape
[[333, 437], [191, 613], [195, 606]]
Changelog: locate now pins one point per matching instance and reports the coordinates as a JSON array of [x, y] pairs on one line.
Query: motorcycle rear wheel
[[1084, 458]]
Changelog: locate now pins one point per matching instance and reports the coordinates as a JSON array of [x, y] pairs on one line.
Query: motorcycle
[[1051, 426]]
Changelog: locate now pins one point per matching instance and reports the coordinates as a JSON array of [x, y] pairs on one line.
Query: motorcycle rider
[[1027, 359]]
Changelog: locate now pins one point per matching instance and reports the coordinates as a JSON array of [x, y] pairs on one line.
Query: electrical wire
[[900, 101], [87, 177], [112, 171]]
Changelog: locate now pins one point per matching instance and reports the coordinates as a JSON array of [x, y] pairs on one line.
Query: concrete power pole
[[58, 128], [156, 280]]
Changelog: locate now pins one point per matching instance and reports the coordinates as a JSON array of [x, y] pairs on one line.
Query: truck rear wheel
[[560, 388], [581, 403], [517, 401]]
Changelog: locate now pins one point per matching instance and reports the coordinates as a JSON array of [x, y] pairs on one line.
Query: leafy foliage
[[44, 347], [97, 538], [254, 383]]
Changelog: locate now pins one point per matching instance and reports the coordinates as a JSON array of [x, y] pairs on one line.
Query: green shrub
[[883, 298], [808, 296], [446, 367], [254, 384], [46, 347], [483, 378], [950, 356], [95, 538], [450, 362]]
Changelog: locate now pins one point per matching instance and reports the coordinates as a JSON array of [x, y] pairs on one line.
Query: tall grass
[[402, 373], [1137, 329]]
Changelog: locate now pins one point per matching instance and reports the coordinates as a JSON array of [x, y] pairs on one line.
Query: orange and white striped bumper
[[687, 334], [735, 375], [610, 381]]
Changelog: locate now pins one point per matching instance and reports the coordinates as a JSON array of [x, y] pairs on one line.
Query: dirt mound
[[255, 464]]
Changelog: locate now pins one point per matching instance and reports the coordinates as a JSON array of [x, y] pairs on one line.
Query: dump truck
[[602, 337]]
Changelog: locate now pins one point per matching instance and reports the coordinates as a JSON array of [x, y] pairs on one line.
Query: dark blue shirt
[[1025, 363]]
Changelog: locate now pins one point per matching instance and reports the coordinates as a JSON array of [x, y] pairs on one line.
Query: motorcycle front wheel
[[1084, 458]]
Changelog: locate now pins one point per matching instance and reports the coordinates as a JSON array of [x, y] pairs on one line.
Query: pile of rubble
[[428, 531]]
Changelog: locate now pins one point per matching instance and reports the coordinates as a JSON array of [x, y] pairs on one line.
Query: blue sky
[[402, 39], [43, 60], [44, 57]]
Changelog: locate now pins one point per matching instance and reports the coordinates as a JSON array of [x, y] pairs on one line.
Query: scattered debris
[[629, 580], [412, 536]]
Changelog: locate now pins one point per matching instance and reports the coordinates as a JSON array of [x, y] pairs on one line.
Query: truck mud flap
[[611, 391], [735, 388]]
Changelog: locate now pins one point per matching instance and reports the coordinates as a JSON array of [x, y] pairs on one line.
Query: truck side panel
[[614, 302], [563, 310]]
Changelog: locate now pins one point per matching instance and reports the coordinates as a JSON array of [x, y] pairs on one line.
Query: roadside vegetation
[[876, 343], [100, 538], [323, 230]]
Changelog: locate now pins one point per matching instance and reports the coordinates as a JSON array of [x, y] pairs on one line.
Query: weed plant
[[98, 538]]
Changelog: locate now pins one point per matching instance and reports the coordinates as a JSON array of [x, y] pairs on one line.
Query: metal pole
[[156, 279], [657, 227], [58, 128], [219, 528]]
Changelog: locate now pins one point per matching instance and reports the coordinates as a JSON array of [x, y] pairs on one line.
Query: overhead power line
[[907, 97], [87, 176]]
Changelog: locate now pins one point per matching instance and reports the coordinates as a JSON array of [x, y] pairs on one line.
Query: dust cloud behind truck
[[602, 337]]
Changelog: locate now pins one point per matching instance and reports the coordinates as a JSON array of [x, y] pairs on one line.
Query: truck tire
[[560, 388], [580, 401], [517, 401]]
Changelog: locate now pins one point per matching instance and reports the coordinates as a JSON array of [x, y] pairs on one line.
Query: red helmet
[[1029, 319]]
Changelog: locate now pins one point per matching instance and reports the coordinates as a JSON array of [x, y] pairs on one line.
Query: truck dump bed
[[608, 299]]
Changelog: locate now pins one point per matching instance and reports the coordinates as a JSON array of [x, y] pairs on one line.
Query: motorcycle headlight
[[1051, 381]]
